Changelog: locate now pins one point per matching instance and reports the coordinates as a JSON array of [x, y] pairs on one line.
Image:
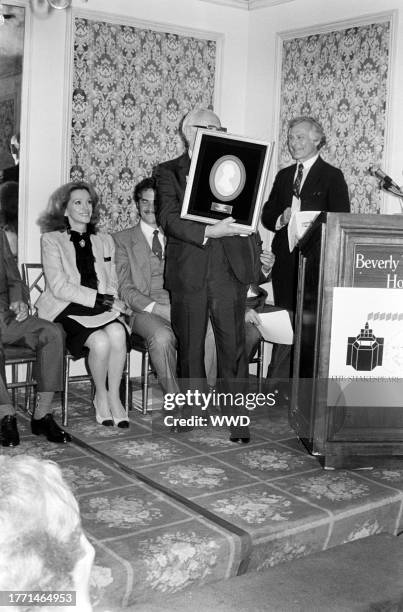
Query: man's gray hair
[[316, 127], [190, 117], [40, 526]]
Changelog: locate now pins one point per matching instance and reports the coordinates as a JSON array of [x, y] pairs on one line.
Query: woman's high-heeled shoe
[[123, 423], [107, 421]]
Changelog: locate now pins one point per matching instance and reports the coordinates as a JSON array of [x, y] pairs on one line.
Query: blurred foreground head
[[42, 544]]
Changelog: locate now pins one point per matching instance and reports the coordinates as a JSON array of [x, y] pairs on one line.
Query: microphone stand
[[396, 191]]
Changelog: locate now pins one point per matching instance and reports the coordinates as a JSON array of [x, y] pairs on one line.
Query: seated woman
[[81, 290]]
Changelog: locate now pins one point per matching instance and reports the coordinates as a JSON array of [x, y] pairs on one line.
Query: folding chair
[[15, 356]]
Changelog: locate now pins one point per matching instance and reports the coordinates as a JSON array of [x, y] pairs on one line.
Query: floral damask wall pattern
[[7, 122], [340, 78], [131, 87]]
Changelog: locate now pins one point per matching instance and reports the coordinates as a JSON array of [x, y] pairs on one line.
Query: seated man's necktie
[[298, 180], [156, 245]]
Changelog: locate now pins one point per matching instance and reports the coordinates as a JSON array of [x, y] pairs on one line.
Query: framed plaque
[[227, 177]]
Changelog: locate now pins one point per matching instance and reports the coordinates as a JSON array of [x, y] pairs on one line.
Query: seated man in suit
[[18, 328], [140, 255]]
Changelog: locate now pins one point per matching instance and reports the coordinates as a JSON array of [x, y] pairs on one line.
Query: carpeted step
[[365, 574]]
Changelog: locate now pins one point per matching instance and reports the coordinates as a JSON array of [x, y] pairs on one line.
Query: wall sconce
[[59, 4], [42, 8], [4, 15]]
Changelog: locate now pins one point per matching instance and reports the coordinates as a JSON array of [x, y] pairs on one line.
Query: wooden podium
[[333, 253]]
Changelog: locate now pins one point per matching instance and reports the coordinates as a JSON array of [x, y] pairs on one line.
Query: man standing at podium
[[309, 184]]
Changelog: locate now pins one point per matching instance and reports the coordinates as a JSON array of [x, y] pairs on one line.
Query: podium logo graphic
[[365, 351]]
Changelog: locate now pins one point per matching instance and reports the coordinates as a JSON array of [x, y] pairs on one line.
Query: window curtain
[[131, 87], [340, 78]]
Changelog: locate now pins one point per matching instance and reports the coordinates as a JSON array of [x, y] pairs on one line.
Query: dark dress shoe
[[243, 440], [49, 428], [240, 434], [8, 431]]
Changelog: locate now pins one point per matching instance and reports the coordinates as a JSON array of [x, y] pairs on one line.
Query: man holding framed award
[[209, 268]]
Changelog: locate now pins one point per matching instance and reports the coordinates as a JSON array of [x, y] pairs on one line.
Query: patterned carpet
[[169, 511]]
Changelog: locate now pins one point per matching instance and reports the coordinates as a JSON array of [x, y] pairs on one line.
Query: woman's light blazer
[[63, 278]]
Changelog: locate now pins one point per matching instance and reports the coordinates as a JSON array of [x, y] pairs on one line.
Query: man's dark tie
[[156, 245], [298, 180]]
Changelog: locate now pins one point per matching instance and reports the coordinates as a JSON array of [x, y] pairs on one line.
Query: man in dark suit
[[208, 271], [309, 184], [18, 328]]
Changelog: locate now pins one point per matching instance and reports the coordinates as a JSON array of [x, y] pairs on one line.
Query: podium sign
[[379, 265]]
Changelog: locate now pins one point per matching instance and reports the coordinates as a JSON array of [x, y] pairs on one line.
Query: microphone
[[387, 182]]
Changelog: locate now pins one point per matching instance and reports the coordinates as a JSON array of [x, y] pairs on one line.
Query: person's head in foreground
[[42, 544]]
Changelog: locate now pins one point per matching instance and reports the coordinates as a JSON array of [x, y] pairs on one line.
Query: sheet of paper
[[269, 288], [299, 223], [276, 327], [96, 320]]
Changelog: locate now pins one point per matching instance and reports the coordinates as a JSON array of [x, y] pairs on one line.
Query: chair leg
[[28, 389], [65, 393], [34, 399], [127, 383], [144, 380], [14, 378], [260, 365]]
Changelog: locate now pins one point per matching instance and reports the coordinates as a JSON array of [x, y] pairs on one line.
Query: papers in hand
[[276, 327], [96, 320], [299, 223]]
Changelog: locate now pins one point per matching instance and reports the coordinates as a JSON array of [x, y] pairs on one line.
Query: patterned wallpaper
[[131, 87], [340, 78], [7, 122]]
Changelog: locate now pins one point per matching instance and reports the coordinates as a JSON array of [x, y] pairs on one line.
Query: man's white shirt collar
[[148, 232], [307, 164]]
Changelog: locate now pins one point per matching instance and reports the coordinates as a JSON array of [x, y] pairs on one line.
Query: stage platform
[[169, 512]]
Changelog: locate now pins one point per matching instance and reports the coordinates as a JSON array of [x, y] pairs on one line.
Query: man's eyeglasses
[[211, 127]]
